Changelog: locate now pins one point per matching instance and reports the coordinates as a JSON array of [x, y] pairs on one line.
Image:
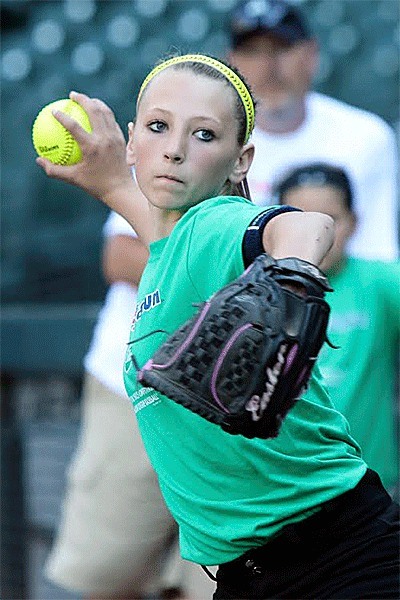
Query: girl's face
[[326, 199], [184, 143]]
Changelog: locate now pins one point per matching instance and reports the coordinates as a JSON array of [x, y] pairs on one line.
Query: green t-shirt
[[361, 375], [227, 493]]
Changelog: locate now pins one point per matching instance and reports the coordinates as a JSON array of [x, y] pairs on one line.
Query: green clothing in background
[[361, 374]]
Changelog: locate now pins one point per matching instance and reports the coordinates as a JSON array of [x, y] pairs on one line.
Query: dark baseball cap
[[275, 16]]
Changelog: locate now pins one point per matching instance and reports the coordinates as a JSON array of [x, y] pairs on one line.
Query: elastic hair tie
[[230, 75]]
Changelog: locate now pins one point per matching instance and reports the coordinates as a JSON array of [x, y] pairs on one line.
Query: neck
[[281, 119], [164, 221]]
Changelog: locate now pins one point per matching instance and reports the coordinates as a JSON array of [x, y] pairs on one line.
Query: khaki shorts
[[116, 535]]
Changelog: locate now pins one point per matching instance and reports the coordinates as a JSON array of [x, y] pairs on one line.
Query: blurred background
[[51, 285]]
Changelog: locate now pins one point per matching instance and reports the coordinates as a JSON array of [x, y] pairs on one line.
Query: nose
[[176, 157], [272, 62], [174, 149]]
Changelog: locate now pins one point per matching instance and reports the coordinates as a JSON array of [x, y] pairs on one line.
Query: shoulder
[[117, 225], [222, 213], [212, 233], [356, 117]]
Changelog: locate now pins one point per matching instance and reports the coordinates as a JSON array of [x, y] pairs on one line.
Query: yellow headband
[[234, 79]]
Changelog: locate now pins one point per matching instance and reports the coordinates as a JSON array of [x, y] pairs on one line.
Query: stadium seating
[[104, 48]]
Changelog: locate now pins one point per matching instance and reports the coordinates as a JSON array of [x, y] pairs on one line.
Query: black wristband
[[252, 245]]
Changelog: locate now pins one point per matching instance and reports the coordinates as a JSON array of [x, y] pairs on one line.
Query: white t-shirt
[[106, 354], [356, 140]]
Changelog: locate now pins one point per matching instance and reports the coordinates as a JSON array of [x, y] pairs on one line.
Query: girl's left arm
[[305, 235]]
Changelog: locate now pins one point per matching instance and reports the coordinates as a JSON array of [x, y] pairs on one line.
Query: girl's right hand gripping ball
[[51, 140]]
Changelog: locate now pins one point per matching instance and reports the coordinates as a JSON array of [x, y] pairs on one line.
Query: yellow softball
[[51, 140]]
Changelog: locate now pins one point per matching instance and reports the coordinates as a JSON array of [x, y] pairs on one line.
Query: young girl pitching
[[297, 516]]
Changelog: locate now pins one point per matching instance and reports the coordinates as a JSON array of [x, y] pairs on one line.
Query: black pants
[[349, 549]]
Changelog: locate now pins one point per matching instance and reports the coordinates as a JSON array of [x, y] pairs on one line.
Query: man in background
[[273, 47]]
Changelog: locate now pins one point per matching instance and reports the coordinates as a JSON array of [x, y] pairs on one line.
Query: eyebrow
[[196, 117]]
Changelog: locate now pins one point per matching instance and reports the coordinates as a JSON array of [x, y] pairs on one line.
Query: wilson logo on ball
[[52, 140]]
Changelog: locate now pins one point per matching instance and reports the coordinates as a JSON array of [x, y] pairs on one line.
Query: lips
[[170, 178]]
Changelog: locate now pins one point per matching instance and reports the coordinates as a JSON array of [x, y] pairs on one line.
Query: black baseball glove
[[246, 356]]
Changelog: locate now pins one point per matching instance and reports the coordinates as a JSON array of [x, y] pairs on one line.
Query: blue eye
[[205, 135], [157, 126]]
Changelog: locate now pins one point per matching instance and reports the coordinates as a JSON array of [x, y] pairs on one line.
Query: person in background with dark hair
[[272, 45], [361, 375]]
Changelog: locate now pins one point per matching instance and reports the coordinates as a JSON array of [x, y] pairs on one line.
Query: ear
[[353, 222], [242, 164], [130, 151], [230, 56]]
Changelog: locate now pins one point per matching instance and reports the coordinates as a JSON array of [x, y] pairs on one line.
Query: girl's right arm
[[124, 259], [103, 171]]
